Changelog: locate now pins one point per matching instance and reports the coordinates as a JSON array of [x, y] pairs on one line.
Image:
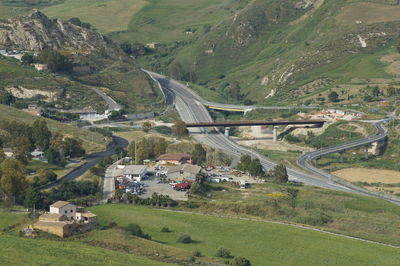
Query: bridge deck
[[256, 123]]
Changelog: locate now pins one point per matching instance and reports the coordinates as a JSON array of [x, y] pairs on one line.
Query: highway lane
[[305, 162], [191, 109]]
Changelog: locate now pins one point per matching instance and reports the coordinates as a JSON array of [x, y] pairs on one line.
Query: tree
[[333, 96], [241, 261], [180, 129], [176, 70], [2, 155], [375, 91], [160, 147], [46, 176], [7, 98], [280, 174], [224, 253], [12, 179], [185, 239], [199, 187], [390, 90], [244, 163], [234, 90], [292, 195], [41, 135], [127, 47], [27, 59], [146, 126], [53, 156], [33, 198], [142, 151], [135, 230], [73, 148], [255, 168], [199, 154], [76, 21], [54, 60], [22, 148], [131, 149]]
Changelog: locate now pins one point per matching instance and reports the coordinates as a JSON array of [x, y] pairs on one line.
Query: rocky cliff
[[35, 31]]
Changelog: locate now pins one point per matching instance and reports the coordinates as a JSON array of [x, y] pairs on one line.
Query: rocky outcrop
[[35, 31], [24, 93]]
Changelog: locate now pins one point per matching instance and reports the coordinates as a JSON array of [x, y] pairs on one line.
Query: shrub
[[185, 239], [165, 230], [316, 218], [241, 261], [196, 253], [224, 253], [135, 230]]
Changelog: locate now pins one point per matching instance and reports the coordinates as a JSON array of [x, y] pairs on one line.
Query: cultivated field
[[106, 16], [369, 175], [260, 242]]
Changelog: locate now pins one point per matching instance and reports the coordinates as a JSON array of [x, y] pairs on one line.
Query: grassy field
[[104, 15], [40, 251], [260, 242], [92, 142]]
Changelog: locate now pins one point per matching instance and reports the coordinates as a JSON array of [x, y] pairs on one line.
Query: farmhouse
[[175, 158], [64, 208], [65, 219]]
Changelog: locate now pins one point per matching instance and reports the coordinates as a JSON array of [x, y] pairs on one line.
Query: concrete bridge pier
[[227, 132], [366, 152], [275, 133]]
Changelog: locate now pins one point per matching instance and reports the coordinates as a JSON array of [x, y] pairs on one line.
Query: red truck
[[182, 186]]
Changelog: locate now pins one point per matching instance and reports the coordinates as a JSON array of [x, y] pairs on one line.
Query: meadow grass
[[106, 16], [262, 243], [8, 218]]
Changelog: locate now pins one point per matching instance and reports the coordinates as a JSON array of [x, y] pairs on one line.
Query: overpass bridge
[[275, 124], [247, 108]]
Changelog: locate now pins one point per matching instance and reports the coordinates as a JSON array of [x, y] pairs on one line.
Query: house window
[[71, 210], [65, 211]]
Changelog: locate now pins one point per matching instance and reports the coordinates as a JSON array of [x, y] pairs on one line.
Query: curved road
[[91, 160], [191, 108]]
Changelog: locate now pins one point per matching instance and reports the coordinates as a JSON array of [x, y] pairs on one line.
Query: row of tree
[[147, 148]]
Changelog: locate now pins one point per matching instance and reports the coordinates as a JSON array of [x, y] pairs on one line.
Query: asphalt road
[[91, 160], [191, 108], [112, 105]]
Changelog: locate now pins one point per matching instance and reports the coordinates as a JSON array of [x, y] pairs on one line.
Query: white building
[[134, 172], [65, 208]]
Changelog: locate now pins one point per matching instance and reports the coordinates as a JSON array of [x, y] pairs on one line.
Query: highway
[[191, 108]]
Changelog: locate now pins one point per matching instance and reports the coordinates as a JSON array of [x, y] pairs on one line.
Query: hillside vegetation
[[92, 142]]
